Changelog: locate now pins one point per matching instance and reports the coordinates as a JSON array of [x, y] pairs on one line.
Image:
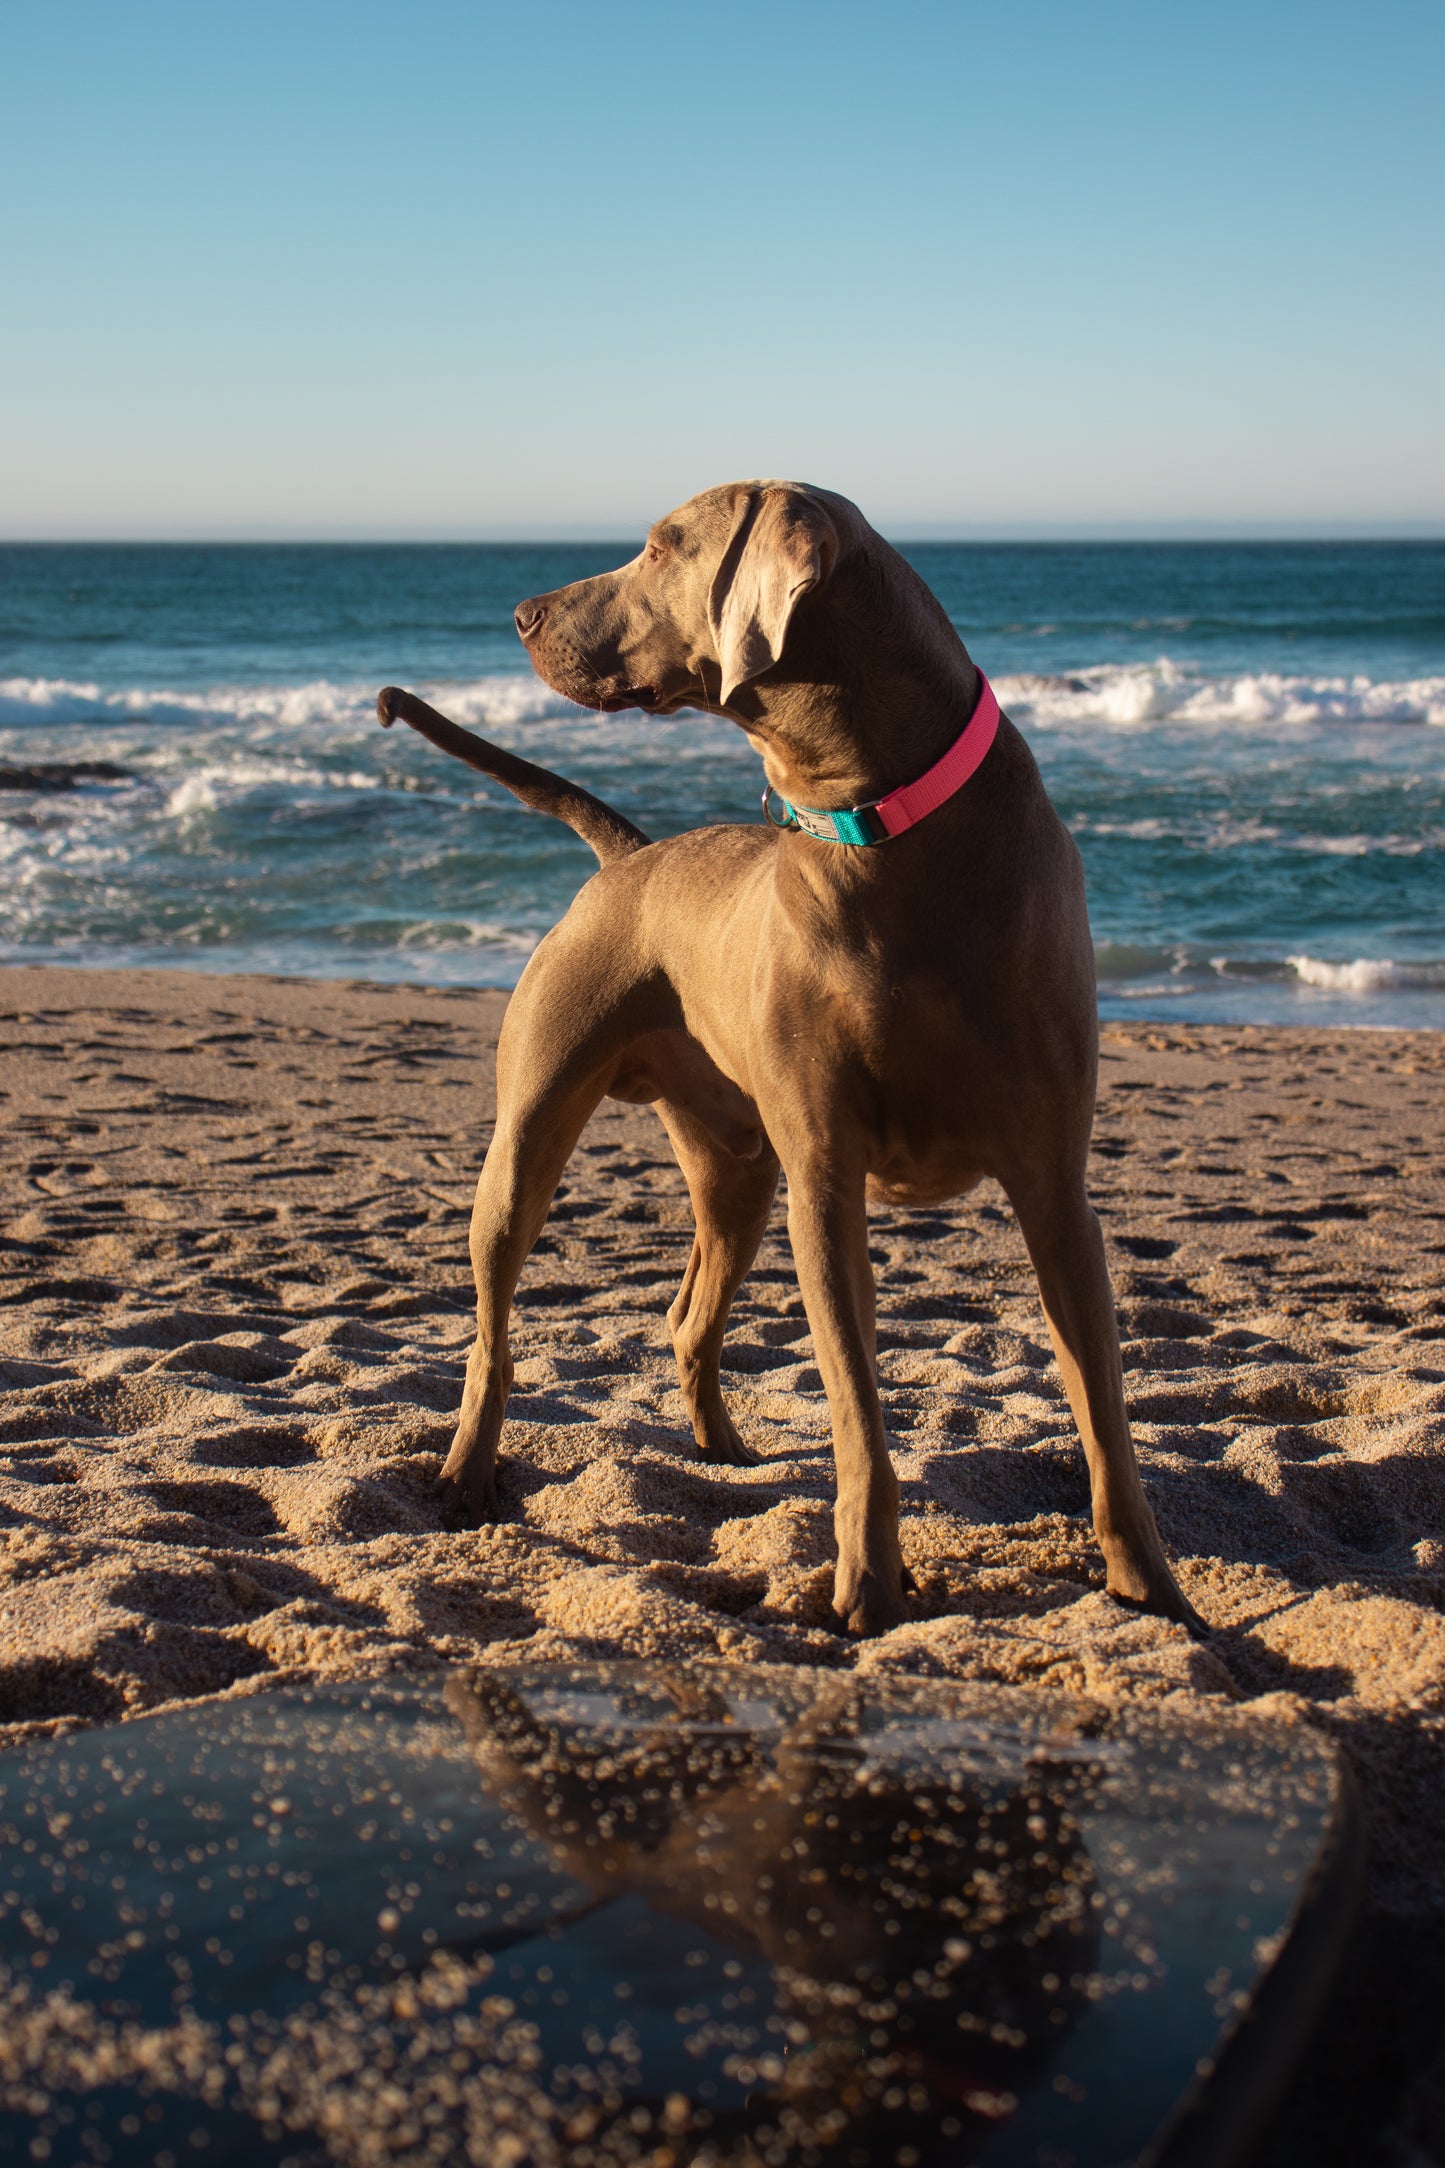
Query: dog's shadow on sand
[[1257, 1669]]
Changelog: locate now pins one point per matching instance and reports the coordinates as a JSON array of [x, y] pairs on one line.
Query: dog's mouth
[[628, 696], [611, 699], [605, 694]]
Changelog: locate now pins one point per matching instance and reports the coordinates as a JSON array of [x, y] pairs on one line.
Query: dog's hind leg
[[1067, 1248], [731, 1198], [530, 1147], [559, 1051]]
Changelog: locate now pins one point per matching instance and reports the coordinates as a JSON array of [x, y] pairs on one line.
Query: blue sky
[[441, 269]]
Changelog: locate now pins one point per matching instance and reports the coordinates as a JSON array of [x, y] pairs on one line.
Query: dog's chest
[[922, 1084]]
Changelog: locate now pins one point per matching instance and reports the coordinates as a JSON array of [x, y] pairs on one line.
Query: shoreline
[[235, 1304], [1116, 1011]]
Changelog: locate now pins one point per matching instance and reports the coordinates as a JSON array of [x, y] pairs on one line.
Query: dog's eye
[[655, 553]]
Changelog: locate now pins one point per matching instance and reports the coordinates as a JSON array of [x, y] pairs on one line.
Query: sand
[[234, 1312]]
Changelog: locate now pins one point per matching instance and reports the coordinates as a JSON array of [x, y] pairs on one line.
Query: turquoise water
[[1246, 741]]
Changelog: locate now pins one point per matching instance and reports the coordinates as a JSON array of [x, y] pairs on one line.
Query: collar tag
[[816, 823]]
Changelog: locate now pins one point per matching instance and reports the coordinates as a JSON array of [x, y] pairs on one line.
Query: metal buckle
[[768, 796]]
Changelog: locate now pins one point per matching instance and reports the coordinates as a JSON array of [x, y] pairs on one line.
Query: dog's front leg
[[828, 1225]]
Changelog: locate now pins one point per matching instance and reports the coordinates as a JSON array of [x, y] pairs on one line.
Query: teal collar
[[901, 809]]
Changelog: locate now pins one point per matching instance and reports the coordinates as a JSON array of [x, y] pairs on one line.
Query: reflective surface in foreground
[[639, 1913]]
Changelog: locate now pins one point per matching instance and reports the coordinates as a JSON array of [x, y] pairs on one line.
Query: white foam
[[496, 701], [1226, 832], [1128, 696], [439, 937], [1365, 975], [196, 795], [1131, 971], [205, 788], [1131, 695]]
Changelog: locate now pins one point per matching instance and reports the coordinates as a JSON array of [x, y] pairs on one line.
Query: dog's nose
[[528, 616]]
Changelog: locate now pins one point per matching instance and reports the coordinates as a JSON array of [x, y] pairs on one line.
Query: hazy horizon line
[[553, 534]]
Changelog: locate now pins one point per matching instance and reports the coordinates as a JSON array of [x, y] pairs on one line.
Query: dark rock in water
[[628, 1913], [53, 775]]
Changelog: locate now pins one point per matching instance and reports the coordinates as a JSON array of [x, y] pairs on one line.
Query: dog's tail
[[610, 834]]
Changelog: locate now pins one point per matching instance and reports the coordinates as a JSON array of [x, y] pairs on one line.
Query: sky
[[454, 269]]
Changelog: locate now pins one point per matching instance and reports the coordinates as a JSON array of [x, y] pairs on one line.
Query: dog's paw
[[467, 1502], [866, 1604], [729, 1452], [1162, 1597]]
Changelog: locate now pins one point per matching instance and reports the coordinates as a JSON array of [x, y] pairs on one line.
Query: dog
[[886, 990]]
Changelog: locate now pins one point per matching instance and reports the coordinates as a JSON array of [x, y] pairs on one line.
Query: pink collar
[[903, 808]]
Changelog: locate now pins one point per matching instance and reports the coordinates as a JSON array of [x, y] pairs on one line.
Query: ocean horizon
[[1244, 738]]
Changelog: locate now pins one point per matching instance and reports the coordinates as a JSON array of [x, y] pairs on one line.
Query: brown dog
[[890, 1022]]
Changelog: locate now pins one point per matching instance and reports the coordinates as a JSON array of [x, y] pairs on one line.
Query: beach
[[236, 1309], [295, 429]]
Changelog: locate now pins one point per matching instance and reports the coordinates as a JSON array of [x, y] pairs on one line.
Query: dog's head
[[703, 611]]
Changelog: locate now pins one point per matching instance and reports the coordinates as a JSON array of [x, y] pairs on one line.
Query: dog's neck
[[834, 726]]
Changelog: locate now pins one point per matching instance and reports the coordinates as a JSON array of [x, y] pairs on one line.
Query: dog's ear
[[783, 546]]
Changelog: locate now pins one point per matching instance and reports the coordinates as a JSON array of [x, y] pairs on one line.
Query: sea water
[[1245, 740]]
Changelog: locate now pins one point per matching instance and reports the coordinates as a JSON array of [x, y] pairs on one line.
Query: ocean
[[1245, 739]]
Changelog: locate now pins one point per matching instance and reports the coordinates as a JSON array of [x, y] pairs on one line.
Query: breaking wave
[[503, 700], [1127, 695], [1131, 695], [1126, 962], [1366, 974]]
